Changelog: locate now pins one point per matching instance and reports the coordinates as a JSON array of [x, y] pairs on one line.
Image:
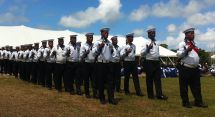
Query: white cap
[[105, 29], [130, 35], [189, 30], [151, 29]]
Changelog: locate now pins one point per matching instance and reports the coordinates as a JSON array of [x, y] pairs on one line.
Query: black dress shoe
[[66, 90], [72, 93], [127, 93], [113, 101], [102, 101], [59, 90], [140, 94], [162, 97], [202, 105], [95, 96], [151, 97], [187, 105], [79, 93], [88, 96], [119, 90]]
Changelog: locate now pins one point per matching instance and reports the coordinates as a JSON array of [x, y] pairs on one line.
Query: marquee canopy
[[19, 35]]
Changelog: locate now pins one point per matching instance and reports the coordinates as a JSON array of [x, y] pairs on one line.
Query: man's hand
[[112, 51], [54, 53], [128, 51], [150, 46], [27, 56], [32, 55], [48, 53], [101, 45], [190, 48], [87, 52], [68, 52]]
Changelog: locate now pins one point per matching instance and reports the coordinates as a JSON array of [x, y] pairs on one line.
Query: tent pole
[[161, 60], [171, 61]]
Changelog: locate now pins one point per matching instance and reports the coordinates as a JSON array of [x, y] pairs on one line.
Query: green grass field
[[21, 99]]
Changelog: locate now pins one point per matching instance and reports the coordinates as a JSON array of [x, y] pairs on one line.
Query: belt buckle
[[189, 66]]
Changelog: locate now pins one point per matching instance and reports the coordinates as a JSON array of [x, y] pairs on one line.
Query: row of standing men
[[99, 64]]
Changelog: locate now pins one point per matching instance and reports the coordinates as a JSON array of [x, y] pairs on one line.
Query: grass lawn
[[21, 99]]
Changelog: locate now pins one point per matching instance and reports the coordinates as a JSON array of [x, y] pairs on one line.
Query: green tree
[[174, 50], [204, 56], [164, 45]]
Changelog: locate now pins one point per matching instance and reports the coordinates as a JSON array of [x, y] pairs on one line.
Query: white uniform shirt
[[84, 49], [26, 56], [33, 54], [192, 58], [105, 54], [153, 53], [74, 53], [40, 54], [5, 54], [9, 55], [47, 52], [20, 55], [1, 54], [131, 55], [14, 56], [60, 54], [116, 54]]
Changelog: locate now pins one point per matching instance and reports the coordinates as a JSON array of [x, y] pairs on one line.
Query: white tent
[[213, 57], [18, 35], [166, 53]]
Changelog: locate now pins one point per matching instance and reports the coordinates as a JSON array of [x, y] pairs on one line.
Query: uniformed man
[[50, 64], [27, 62], [6, 58], [1, 60], [34, 70], [189, 74], [88, 59], [15, 62], [150, 51], [116, 65], [10, 61], [41, 59], [30, 63], [102, 52], [79, 77], [72, 54], [58, 53], [20, 58], [130, 66], [18, 62], [24, 62]]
